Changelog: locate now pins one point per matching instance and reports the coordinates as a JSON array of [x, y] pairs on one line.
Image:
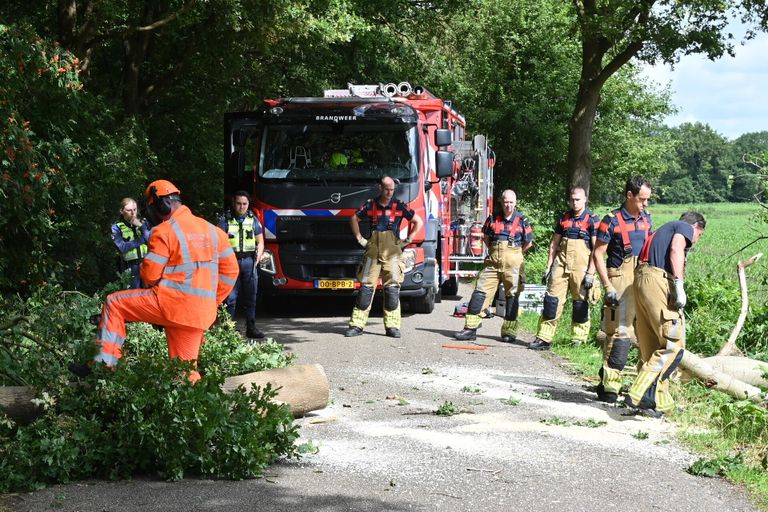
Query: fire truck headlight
[[267, 263], [409, 259]]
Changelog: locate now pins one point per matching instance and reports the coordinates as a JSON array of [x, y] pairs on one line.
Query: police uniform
[[242, 233], [625, 236], [382, 258], [504, 264], [567, 274], [131, 242], [660, 327]]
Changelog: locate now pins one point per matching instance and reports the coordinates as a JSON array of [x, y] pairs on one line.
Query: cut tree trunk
[[749, 371], [16, 402], [304, 387], [712, 378]]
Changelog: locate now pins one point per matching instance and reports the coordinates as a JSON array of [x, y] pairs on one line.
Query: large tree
[[613, 32]]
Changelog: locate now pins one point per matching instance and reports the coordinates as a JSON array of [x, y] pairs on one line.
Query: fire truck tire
[[450, 287], [424, 304]]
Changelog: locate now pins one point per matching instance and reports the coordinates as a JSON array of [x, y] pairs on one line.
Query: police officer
[[247, 240], [130, 235], [660, 299], [382, 257], [508, 236], [620, 235], [569, 268]]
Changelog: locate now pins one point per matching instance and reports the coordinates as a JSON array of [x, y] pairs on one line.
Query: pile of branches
[[142, 418]]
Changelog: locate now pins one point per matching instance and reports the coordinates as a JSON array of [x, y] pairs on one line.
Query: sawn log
[[304, 386]]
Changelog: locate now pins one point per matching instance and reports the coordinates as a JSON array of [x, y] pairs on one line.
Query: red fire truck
[[310, 162]]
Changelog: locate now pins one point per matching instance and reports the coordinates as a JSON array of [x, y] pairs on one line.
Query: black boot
[[82, 370], [466, 335], [539, 344], [353, 331], [393, 332], [252, 331]]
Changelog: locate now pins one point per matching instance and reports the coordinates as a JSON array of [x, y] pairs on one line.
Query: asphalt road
[[381, 448]]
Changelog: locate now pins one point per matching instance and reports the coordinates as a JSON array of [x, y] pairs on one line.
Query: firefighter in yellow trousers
[[569, 269], [660, 299], [620, 236], [508, 237], [382, 257]]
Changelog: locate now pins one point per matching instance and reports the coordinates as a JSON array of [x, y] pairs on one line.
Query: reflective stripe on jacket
[[191, 267]]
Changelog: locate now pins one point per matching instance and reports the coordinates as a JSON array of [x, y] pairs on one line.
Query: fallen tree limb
[[749, 371], [730, 348], [712, 378]]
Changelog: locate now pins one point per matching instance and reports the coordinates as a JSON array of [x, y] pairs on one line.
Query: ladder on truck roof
[[471, 202]]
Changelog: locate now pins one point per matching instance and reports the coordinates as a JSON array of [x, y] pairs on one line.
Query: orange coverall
[[190, 268]]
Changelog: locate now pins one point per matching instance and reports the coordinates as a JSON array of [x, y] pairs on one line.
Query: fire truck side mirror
[[443, 137], [444, 164]]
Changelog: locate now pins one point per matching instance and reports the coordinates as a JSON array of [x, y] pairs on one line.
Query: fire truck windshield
[[338, 151]]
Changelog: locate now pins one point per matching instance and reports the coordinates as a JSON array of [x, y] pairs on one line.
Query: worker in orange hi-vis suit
[[190, 268]]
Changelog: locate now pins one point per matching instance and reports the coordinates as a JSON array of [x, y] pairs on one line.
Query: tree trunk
[[580, 139], [304, 387], [16, 402], [582, 120], [136, 46], [749, 371], [720, 381]]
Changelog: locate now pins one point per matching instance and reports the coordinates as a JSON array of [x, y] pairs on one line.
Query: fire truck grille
[[307, 262]]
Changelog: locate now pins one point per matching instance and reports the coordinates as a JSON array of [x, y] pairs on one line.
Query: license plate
[[334, 284]]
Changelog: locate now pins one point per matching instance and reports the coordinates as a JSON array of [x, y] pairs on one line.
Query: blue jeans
[[245, 288]]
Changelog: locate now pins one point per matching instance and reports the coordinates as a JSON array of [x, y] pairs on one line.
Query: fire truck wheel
[[424, 304], [450, 287]]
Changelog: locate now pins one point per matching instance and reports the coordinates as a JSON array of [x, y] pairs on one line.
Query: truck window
[[339, 152]]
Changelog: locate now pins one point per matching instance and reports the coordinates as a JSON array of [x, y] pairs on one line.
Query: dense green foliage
[[142, 418], [144, 87], [705, 167]]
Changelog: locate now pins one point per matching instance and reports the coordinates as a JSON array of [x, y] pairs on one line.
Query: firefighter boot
[[393, 332], [353, 331], [508, 331], [466, 335], [539, 344], [251, 330]]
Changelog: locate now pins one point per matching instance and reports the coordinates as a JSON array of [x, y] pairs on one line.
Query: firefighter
[[508, 237], [190, 268], [382, 257], [660, 299], [569, 269], [620, 235], [130, 235], [247, 240]]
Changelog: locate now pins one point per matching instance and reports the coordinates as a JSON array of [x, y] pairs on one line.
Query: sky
[[730, 94]]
